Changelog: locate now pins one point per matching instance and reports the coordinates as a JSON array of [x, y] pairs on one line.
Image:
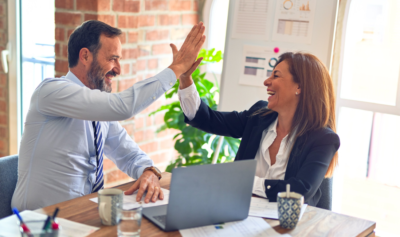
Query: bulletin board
[[258, 31]]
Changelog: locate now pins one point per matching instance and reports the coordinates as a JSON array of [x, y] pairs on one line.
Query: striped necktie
[[98, 143]]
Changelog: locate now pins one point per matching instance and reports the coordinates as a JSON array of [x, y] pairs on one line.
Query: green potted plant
[[196, 147]]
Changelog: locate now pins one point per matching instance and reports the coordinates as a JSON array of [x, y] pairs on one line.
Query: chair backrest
[[8, 181], [325, 201]]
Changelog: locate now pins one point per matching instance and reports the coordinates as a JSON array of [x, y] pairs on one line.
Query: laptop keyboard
[[162, 219]]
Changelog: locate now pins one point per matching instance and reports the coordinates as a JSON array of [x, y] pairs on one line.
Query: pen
[[46, 223], [54, 225], [24, 227]]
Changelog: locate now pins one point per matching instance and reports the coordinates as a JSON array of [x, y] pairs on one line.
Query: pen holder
[[36, 229]]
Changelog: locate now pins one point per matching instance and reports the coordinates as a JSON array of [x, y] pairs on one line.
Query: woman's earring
[[297, 93]]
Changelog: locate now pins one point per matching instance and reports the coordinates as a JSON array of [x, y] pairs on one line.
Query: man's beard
[[96, 79]]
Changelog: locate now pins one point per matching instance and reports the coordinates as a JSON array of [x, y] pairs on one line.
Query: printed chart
[[251, 19], [258, 64], [294, 20]]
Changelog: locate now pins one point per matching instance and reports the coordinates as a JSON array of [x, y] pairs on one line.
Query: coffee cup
[[289, 209], [110, 201]]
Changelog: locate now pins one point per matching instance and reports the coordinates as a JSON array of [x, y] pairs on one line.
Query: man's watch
[[155, 170]]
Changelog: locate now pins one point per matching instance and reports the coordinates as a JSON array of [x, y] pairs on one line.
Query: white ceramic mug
[[110, 201]]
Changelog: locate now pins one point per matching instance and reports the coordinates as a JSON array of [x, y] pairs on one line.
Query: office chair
[[325, 202], [8, 181]]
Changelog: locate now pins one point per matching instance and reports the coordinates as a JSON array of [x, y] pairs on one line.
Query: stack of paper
[[9, 225], [263, 208], [250, 227], [130, 201]]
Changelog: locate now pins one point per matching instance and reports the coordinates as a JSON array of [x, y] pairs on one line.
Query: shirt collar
[[70, 76]]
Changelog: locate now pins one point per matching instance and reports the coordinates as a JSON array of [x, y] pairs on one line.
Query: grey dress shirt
[[57, 158]]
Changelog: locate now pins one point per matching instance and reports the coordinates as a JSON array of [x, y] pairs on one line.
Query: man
[[72, 121]]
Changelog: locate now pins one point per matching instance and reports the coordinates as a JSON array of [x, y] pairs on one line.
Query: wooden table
[[315, 221]]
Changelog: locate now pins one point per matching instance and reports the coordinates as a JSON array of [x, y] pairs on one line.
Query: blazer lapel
[[256, 134], [294, 156]]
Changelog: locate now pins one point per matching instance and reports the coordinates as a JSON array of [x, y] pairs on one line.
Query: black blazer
[[309, 158]]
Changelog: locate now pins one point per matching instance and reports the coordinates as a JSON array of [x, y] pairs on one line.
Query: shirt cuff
[[259, 187], [167, 78], [141, 170], [187, 92]]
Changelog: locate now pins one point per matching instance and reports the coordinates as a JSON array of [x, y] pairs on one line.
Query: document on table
[[250, 227], [130, 201], [262, 208], [9, 227]]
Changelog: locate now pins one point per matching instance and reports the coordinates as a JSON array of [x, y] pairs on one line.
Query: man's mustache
[[112, 73]]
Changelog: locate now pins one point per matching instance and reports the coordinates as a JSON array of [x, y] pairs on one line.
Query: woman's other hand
[[186, 78]]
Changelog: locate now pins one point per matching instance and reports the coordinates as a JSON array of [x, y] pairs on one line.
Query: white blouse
[[190, 103]]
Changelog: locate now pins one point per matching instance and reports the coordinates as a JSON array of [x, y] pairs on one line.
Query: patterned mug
[[289, 209], [110, 201]]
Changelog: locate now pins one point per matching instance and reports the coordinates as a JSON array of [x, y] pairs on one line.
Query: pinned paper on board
[[294, 21], [251, 19], [258, 64]]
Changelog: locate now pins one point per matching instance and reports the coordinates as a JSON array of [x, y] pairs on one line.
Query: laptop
[[206, 195]]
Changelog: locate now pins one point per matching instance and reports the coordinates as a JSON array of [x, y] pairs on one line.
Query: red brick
[[2, 8], [154, 5], [61, 66], [165, 20], [126, 6], [167, 144], [3, 106], [138, 136], [65, 4], [70, 19], [125, 68], [129, 53], [122, 37], [157, 35], [190, 19], [146, 20], [149, 147], [163, 133], [3, 119], [141, 65], [108, 19], [149, 121], [3, 79], [161, 49], [152, 63], [3, 132], [128, 128], [133, 37], [115, 175], [57, 48], [159, 119], [125, 84], [93, 5], [144, 50], [127, 21], [149, 134], [196, 6], [69, 32], [60, 34], [65, 51], [159, 158], [139, 123], [180, 5], [108, 165]]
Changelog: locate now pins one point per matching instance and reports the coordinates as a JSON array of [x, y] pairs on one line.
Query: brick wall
[[148, 27], [4, 136]]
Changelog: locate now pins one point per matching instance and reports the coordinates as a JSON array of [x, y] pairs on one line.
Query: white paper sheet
[[250, 227], [251, 19], [262, 208], [130, 201], [9, 227], [294, 21], [258, 63]]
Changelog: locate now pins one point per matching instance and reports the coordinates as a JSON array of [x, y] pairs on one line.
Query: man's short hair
[[87, 36]]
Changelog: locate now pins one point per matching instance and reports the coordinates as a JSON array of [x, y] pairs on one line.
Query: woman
[[292, 136]]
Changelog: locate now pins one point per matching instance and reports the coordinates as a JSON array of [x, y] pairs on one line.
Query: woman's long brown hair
[[316, 108]]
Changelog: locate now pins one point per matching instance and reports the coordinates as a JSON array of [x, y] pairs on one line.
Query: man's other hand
[[184, 59], [149, 182]]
